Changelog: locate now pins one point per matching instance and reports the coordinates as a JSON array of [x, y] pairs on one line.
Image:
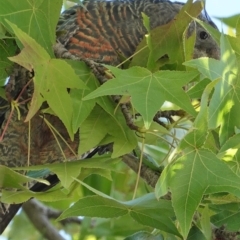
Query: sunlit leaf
[[193, 175], [52, 79], [37, 18], [230, 21], [148, 90]]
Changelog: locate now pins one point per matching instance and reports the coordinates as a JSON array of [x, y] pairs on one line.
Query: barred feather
[[101, 30]]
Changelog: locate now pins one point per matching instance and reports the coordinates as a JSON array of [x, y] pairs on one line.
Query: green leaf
[[82, 109], [97, 177], [230, 21], [37, 18], [123, 137], [195, 233], [67, 171], [2, 32], [149, 211], [155, 218], [205, 223], [12, 179], [52, 79], [144, 236], [7, 49], [148, 90], [164, 40], [151, 65], [223, 107], [86, 172], [145, 210], [124, 140], [95, 206], [230, 147], [94, 125], [23, 196], [193, 175], [208, 67], [95, 162], [97, 125], [197, 137], [228, 218], [197, 90]]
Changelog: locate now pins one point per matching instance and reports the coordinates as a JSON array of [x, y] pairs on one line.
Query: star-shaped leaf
[[37, 18], [197, 173], [52, 78], [145, 210], [148, 90]]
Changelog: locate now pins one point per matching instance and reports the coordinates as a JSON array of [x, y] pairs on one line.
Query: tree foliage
[[195, 154]]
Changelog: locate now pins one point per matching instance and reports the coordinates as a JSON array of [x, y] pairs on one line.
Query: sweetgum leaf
[[205, 223], [23, 196], [37, 18], [95, 206], [82, 109], [223, 106], [12, 179], [145, 210], [197, 137], [197, 173], [228, 218], [144, 236], [123, 137], [52, 79], [148, 90], [67, 171], [197, 90], [93, 130], [99, 124], [209, 68]]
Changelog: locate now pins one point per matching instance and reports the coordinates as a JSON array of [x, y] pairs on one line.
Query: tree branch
[[150, 176], [37, 214]]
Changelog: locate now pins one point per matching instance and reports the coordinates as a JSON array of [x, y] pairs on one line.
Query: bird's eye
[[203, 35]]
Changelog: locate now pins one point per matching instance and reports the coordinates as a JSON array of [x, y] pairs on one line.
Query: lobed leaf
[[52, 79], [148, 90], [36, 18], [197, 173]]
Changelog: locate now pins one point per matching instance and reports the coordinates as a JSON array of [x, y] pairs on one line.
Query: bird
[[101, 31]]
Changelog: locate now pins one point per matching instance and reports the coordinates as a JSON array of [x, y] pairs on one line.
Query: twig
[[150, 176], [36, 212], [168, 115]]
